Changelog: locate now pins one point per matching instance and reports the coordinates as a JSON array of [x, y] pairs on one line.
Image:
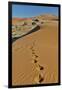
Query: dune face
[[35, 56], [22, 26]]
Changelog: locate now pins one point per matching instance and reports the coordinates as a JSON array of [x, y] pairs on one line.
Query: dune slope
[[35, 56]]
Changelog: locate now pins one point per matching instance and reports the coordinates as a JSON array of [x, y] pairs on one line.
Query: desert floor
[[35, 56]]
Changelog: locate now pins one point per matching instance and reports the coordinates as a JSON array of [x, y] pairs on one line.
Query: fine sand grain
[[35, 56]]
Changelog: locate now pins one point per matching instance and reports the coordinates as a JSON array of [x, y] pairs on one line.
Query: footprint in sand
[[38, 78], [33, 52], [41, 67], [36, 56], [35, 61]]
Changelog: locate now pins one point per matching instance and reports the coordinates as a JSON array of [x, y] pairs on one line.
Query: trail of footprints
[[38, 77]]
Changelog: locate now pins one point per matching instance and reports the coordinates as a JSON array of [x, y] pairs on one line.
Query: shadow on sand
[[33, 30]]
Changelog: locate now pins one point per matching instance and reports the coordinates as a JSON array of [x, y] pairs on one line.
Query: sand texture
[[35, 56]]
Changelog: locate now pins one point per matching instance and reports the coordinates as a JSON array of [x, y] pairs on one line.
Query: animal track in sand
[[38, 78]]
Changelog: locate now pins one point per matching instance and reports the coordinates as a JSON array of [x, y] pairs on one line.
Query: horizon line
[[34, 16]]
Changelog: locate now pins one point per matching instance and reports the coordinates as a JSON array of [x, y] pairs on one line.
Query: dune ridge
[[35, 56]]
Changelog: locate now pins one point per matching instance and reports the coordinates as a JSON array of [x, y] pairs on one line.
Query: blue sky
[[25, 11]]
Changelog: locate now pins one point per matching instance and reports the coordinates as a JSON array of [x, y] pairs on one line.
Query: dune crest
[[35, 56]]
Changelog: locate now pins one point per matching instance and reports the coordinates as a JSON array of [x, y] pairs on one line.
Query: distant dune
[[48, 17], [35, 56], [16, 20], [22, 26], [43, 17]]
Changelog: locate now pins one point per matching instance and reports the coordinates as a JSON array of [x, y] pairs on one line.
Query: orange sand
[[44, 44]]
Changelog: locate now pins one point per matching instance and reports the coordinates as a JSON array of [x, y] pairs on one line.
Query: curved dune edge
[[26, 67]]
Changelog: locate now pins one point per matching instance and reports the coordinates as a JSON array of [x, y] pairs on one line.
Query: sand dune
[[17, 20], [47, 17], [35, 56], [21, 26]]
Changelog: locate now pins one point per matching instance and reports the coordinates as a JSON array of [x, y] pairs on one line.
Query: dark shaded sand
[[24, 70], [33, 30]]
